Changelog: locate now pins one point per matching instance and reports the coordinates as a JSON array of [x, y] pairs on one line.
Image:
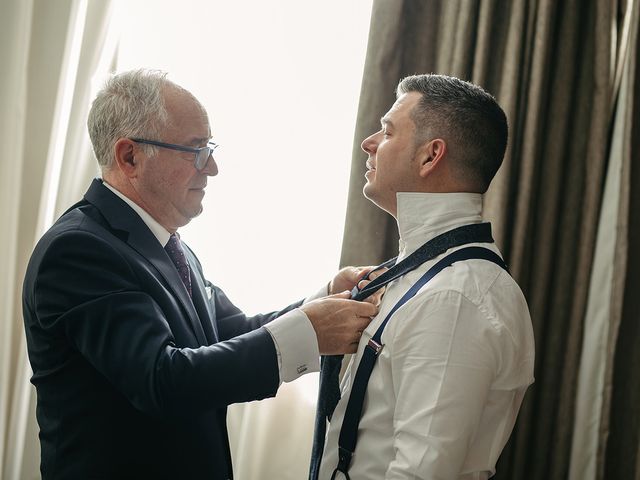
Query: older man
[[440, 373], [135, 355]]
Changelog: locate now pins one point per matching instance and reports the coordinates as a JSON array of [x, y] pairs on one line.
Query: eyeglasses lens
[[202, 156]]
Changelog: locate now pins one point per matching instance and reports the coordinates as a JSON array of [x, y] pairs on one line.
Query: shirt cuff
[[296, 345], [323, 292]]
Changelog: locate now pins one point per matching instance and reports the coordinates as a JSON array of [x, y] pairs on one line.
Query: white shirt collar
[[158, 230], [422, 216]]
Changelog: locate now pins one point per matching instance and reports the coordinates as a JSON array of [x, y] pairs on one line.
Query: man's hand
[[338, 322], [349, 277]]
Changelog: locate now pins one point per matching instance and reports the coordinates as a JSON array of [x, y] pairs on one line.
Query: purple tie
[[176, 254]]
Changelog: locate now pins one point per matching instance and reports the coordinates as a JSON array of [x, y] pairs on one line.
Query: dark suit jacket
[[133, 377]]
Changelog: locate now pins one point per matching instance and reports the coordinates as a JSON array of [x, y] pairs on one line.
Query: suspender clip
[[344, 459], [375, 346]]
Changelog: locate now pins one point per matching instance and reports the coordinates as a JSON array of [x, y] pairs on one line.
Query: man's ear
[[430, 154], [125, 150]]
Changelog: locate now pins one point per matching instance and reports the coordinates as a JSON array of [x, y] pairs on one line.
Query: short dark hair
[[467, 117]]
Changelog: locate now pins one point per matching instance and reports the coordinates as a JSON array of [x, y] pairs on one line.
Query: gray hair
[[467, 117], [130, 105]]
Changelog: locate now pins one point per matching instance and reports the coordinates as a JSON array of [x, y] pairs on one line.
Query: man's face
[[169, 185], [391, 166]]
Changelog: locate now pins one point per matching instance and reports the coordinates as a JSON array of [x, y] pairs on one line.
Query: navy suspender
[[329, 391], [349, 429]]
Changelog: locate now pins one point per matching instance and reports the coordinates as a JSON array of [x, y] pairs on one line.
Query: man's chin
[[369, 191], [197, 211], [190, 214]]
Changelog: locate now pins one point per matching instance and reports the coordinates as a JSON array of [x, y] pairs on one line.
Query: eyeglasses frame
[[199, 164]]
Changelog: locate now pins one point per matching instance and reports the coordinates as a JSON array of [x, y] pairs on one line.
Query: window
[[281, 83]]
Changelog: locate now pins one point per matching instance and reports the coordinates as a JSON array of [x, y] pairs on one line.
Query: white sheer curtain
[[55, 54], [52, 54], [272, 438]]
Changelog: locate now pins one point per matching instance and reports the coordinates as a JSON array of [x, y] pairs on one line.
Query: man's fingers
[[352, 348], [365, 309], [357, 335], [346, 294], [358, 326], [339, 322], [364, 271], [376, 298], [364, 283], [372, 276]]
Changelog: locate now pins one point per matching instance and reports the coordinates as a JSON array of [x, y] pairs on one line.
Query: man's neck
[[422, 216], [160, 232]]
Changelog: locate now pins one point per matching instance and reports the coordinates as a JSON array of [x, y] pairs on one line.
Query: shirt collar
[[158, 230], [423, 216]]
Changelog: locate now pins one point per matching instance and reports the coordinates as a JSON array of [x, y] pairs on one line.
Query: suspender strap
[[329, 390], [353, 413], [473, 233]]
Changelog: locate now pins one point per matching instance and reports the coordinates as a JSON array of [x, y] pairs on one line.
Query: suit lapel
[[203, 301], [121, 217]]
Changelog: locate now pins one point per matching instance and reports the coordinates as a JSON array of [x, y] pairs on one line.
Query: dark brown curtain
[[549, 64]]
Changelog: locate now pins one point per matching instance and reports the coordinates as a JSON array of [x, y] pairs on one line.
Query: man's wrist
[[296, 344]]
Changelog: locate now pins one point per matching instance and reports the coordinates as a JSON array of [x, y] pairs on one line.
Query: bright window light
[[281, 82]]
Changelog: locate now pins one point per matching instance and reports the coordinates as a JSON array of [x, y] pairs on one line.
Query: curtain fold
[[52, 52], [551, 65], [618, 455], [14, 42], [287, 419]]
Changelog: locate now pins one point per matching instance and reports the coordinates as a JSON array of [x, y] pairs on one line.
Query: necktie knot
[[176, 254]]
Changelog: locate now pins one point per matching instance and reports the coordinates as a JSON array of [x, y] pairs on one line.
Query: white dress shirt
[[457, 358], [293, 335]]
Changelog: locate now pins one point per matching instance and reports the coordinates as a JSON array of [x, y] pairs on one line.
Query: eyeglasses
[[202, 154]]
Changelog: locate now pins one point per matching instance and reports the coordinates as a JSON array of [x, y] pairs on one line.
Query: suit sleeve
[[86, 294], [232, 322], [292, 333]]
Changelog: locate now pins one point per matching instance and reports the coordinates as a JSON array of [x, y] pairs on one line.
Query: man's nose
[[369, 144], [211, 167]]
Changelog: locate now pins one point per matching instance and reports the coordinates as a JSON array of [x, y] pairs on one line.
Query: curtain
[[52, 53], [602, 320], [272, 438], [554, 67], [619, 457]]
